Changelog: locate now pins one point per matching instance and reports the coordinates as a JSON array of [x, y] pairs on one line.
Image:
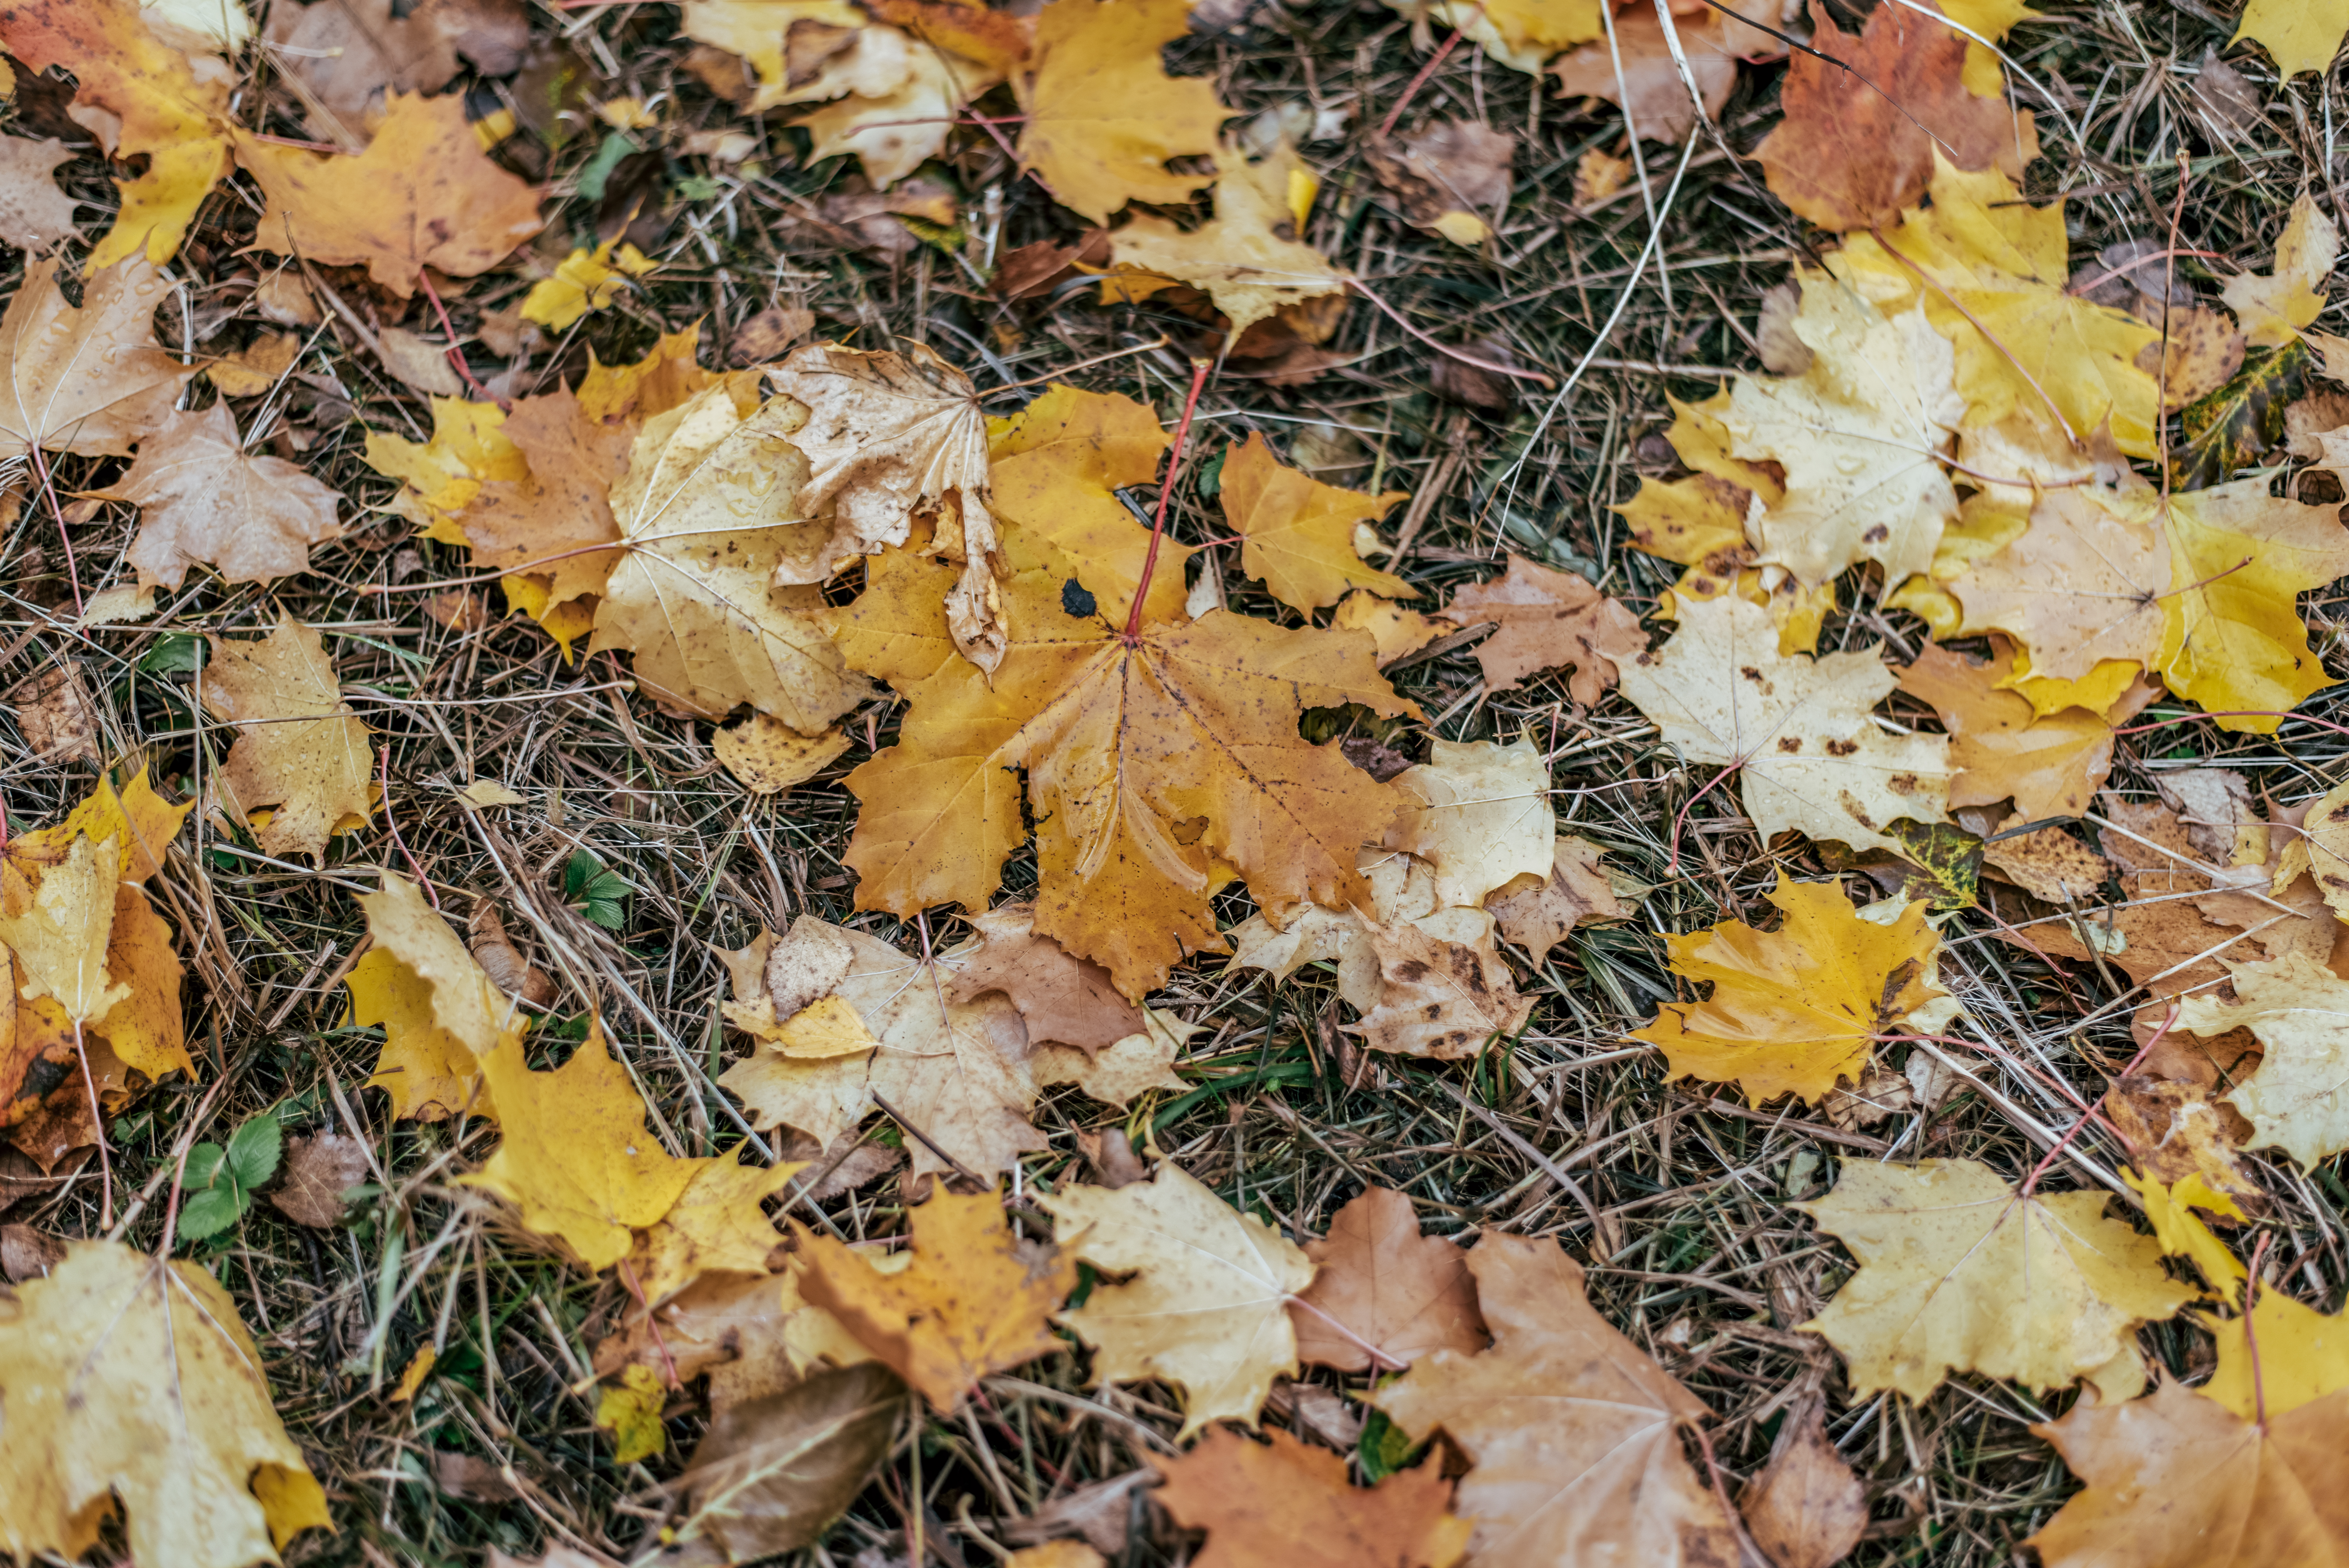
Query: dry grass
[[1678, 1204]]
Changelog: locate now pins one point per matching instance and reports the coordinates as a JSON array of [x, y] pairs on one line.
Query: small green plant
[[593, 892], [218, 1185]]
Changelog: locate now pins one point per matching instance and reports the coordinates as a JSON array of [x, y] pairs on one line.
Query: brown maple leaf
[[1386, 1295], [1288, 1504], [204, 500], [1065, 999], [1549, 620]]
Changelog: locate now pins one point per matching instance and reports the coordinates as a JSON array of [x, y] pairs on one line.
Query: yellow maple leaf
[[2301, 35], [631, 1411], [1207, 1307], [2303, 1355], [1058, 464], [440, 1012], [1104, 117], [468, 448], [1998, 269], [2298, 1097], [577, 1157], [584, 281], [716, 1226], [975, 1299], [1799, 1009], [153, 107], [1297, 534], [1520, 34], [2170, 1210], [299, 749], [802, 51], [2231, 636], [141, 820], [1240, 256], [60, 929], [131, 1383], [1960, 1272], [893, 133]]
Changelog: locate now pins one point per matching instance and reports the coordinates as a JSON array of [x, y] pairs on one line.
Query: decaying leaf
[[1289, 1504], [2049, 767], [1207, 1308], [300, 749], [1571, 1431], [441, 1011], [2298, 1100], [2173, 1131], [1452, 176], [1064, 999], [1960, 1271], [1549, 620], [33, 213], [772, 1473], [1799, 1009], [347, 52], [2274, 308], [54, 708], [1806, 1510], [1439, 997], [767, 757], [1245, 258], [204, 500], [132, 1385], [1103, 117], [1536, 913], [1116, 1073], [1382, 1294], [975, 1299], [319, 1170]]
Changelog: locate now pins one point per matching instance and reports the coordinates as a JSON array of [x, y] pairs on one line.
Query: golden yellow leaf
[[2321, 848], [420, 1366], [151, 105], [767, 756], [1809, 758], [2273, 308], [2231, 636], [2303, 1355], [2300, 34], [705, 511], [1103, 117], [145, 1028], [1700, 520], [469, 449], [668, 377], [1207, 1307], [1298, 534], [60, 935], [1801, 1007], [142, 822], [131, 1383], [440, 1013], [1058, 465], [2298, 1099], [1520, 34], [1241, 256], [204, 500], [1960, 1271], [540, 506], [577, 1157], [825, 1027], [2050, 767], [2170, 1211], [975, 1299], [299, 746], [1145, 764], [1393, 629], [804, 51], [717, 1225], [89, 378], [583, 281], [631, 1411], [422, 194]]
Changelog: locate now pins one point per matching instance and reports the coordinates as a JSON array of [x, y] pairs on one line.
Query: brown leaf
[[418, 363], [1537, 915], [2049, 865], [1099, 1511], [2050, 767], [1655, 100], [54, 709], [1549, 619], [468, 1478], [1450, 175], [205, 501], [1285, 1504], [1114, 1163], [33, 213], [299, 749], [1806, 1510], [27, 1253], [1065, 999], [1384, 1290], [1571, 1431], [769, 334], [501, 961], [344, 52], [1439, 999], [2174, 1130], [319, 1171], [1865, 116], [864, 1164], [87, 379], [772, 1473]]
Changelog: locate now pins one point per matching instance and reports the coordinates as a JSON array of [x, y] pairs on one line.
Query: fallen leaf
[[1064, 999], [1057, 1554], [344, 52], [35, 215], [1797, 729], [299, 747], [1865, 116], [1451, 175], [60, 932], [1119, 1071], [2299, 34], [89, 378], [718, 1226], [2173, 1133], [1655, 98], [1059, 464], [892, 134], [772, 1473], [1247, 257], [1393, 629], [1382, 1294], [146, 103], [631, 1411], [132, 1385], [2303, 1357], [256, 369], [1535, 913], [1289, 1504], [575, 1157], [2083, 591], [1806, 1510], [203, 500], [2273, 308], [1479, 813], [1571, 1432], [422, 194], [1960, 1272], [417, 363], [975, 1299], [1549, 620], [1518, 33], [2175, 1467], [1103, 117], [441, 1011], [583, 282], [2321, 848], [55, 711], [957, 1070], [1207, 1307], [889, 436], [26, 1253], [2298, 1100], [1598, 174], [468, 450], [2203, 355], [767, 757], [2182, 1234], [1131, 819], [2232, 638], [319, 1170], [542, 517], [1298, 534], [1860, 436], [1099, 1511], [2049, 767], [704, 508]]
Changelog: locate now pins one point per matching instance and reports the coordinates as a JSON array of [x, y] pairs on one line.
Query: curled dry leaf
[[1549, 620], [319, 1170], [1572, 1432], [1535, 913], [1382, 1294], [1207, 1307], [1801, 1007], [1288, 1504], [500, 959], [975, 1299], [300, 748], [894, 133], [1960, 1271], [772, 1473], [1104, 118], [203, 500]]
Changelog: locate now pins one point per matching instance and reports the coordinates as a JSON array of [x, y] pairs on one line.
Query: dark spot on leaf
[[1077, 601], [1790, 744], [1842, 748]]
